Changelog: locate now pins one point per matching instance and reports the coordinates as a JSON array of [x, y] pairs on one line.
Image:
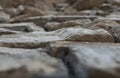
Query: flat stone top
[[69, 43], [100, 56]]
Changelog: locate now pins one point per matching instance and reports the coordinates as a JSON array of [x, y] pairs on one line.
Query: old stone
[[88, 60], [18, 63], [29, 40], [24, 27], [85, 35], [4, 17], [71, 23], [108, 25]]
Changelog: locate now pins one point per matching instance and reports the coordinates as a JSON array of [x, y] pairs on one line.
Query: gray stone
[[89, 60], [85, 35], [58, 49], [26, 63], [24, 27], [4, 31], [111, 17], [42, 20], [4, 17], [71, 23], [29, 40]]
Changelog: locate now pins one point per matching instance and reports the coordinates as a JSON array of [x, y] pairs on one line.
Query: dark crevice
[[80, 73]]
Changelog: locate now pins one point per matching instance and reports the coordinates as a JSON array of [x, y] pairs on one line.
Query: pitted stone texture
[[85, 35], [89, 60], [109, 25], [26, 63], [101, 61]]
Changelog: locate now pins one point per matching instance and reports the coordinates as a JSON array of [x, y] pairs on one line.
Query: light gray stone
[[42, 20], [29, 40], [4, 17], [6, 31], [85, 35], [26, 63], [24, 27], [89, 60]]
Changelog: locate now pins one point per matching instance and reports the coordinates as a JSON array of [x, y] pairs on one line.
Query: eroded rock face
[[109, 25], [85, 35], [42, 20], [29, 64], [7, 32], [50, 26], [59, 39], [29, 40], [89, 60]]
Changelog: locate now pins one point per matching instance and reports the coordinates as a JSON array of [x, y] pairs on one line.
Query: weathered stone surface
[[79, 32], [111, 17], [24, 27], [71, 23], [29, 40], [4, 17], [101, 61], [85, 4], [18, 63], [85, 35], [42, 20], [93, 12], [89, 60], [58, 49], [6, 31], [40, 39], [109, 25]]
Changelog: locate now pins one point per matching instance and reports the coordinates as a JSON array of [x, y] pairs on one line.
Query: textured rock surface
[[29, 64], [109, 25], [89, 60], [4, 17], [29, 40], [59, 39], [24, 27], [6, 31], [71, 23], [85, 35]]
